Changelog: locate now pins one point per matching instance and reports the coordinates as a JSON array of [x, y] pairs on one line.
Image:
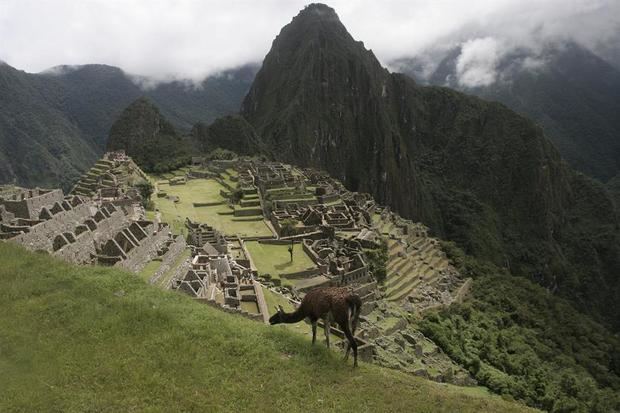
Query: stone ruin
[[220, 274], [111, 179], [202, 235], [99, 222], [79, 229], [341, 261], [220, 281]]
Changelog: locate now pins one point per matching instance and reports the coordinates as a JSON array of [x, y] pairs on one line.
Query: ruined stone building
[[111, 178], [79, 229]]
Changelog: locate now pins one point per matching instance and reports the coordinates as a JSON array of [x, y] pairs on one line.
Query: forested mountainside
[[568, 90], [475, 171], [39, 145], [55, 124], [149, 138]]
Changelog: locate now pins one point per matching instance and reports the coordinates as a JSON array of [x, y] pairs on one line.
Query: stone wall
[[146, 251], [169, 259], [30, 202], [358, 275], [366, 289], [230, 310], [41, 236], [179, 272]]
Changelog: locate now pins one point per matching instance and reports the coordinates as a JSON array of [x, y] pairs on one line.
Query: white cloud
[[192, 38], [477, 63], [532, 63]]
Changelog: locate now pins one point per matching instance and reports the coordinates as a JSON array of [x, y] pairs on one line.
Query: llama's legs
[[313, 331], [351, 344], [327, 330]]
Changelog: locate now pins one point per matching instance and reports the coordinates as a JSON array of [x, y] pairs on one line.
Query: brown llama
[[331, 304]]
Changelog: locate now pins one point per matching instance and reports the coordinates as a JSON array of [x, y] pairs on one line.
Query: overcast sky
[[192, 38]]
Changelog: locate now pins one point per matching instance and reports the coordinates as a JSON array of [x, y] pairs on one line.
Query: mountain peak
[[314, 20], [318, 11], [145, 135], [313, 55]]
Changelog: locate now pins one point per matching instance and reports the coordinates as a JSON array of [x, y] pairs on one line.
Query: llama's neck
[[294, 317]]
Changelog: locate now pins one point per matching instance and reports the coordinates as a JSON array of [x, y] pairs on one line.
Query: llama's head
[[277, 317]]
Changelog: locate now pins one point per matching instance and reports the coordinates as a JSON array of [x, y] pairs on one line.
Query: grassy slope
[[97, 339], [275, 259]]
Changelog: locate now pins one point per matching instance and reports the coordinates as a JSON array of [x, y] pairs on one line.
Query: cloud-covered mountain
[[474, 171], [570, 91]]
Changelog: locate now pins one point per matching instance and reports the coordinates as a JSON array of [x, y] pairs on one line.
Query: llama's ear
[[281, 309], [277, 309]]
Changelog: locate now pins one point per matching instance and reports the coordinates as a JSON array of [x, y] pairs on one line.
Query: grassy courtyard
[[218, 216], [275, 259], [81, 338]]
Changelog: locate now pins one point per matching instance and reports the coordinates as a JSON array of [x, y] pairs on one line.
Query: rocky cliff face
[[475, 171], [312, 99]]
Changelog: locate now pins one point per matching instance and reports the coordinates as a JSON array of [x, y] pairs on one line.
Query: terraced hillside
[[417, 266], [88, 182], [107, 173]]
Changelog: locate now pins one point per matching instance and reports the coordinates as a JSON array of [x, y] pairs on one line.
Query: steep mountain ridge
[[473, 170], [310, 98], [571, 92], [38, 144]]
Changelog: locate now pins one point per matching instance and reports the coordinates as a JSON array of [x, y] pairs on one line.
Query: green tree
[[377, 260], [146, 190], [288, 227]]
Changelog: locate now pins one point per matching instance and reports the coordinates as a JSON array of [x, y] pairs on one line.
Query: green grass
[[202, 191], [149, 269], [169, 175], [226, 177], [76, 339], [275, 259], [217, 217], [150, 215], [389, 322], [273, 299]]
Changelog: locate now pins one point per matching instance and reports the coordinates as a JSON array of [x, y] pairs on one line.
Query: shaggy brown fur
[[331, 304]]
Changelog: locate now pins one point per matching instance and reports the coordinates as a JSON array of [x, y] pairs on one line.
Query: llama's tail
[[355, 308]]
